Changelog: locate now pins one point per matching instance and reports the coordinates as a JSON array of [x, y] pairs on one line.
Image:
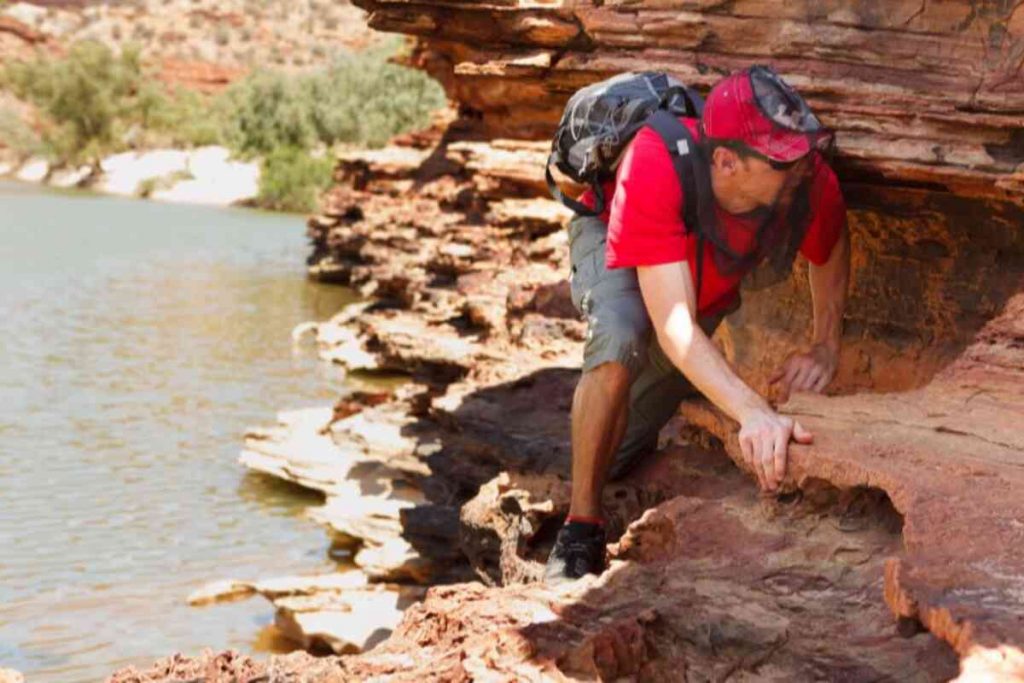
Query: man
[[634, 278]]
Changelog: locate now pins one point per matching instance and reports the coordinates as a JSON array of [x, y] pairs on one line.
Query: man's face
[[768, 187], [743, 182]]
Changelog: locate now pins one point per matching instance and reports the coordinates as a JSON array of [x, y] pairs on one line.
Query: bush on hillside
[[291, 179], [90, 98], [360, 99], [17, 135], [365, 100], [267, 111], [187, 119]]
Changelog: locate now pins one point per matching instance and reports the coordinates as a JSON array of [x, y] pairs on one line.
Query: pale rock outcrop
[[341, 612]]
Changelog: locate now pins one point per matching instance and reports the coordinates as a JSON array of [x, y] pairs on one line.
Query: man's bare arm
[[668, 294], [813, 369], [829, 284]]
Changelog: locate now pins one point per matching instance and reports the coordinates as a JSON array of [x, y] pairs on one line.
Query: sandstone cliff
[[902, 514]]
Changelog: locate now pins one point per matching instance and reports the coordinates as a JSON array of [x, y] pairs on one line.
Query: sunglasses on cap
[[785, 108], [744, 149]]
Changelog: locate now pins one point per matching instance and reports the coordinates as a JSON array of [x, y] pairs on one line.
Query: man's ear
[[725, 160]]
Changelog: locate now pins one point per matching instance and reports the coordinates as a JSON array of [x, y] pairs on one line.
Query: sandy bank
[[205, 175], [11, 676]]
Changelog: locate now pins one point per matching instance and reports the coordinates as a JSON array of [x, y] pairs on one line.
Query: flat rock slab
[[522, 424], [357, 463], [347, 621], [279, 587], [340, 612], [951, 458]]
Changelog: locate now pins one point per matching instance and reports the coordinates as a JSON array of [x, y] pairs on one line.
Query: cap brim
[[783, 146]]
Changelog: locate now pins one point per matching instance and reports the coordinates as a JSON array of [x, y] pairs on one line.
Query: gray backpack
[[600, 120]]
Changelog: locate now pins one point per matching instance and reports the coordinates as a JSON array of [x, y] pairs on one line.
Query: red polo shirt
[[646, 228]]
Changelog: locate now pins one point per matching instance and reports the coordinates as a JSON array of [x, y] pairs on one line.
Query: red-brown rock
[[920, 93], [949, 457]]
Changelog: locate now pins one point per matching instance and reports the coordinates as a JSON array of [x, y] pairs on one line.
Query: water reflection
[[276, 495], [269, 640], [139, 341]]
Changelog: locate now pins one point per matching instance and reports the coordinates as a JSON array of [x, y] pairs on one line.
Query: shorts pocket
[[582, 279], [587, 236]]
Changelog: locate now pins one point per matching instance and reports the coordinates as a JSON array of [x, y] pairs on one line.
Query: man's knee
[[611, 376]]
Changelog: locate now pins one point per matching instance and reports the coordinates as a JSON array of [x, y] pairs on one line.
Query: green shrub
[[365, 100], [360, 99], [18, 135], [90, 98], [188, 119], [95, 102], [291, 180], [265, 112]]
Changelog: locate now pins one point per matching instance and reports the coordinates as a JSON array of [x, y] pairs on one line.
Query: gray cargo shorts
[[619, 330]]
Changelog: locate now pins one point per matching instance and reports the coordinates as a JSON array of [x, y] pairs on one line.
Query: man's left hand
[[811, 370]]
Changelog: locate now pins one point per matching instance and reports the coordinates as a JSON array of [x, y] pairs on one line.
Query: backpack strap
[[685, 155], [692, 106], [579, 207]]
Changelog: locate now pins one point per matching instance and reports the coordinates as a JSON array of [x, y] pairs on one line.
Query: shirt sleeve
[[645, 225], [828, 219]]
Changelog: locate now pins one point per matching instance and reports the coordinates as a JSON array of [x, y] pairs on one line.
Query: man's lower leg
[[599, 413], [599, 416]]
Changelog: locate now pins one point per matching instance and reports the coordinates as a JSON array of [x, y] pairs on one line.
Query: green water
[[138, 341]]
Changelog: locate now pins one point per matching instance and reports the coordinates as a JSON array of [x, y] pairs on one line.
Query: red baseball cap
[[738, 108]]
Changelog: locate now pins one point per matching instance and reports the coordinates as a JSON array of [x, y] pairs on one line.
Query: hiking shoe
[[578, 550]]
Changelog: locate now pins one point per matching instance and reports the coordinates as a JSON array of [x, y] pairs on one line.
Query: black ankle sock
[[575, 527], [595, 521]]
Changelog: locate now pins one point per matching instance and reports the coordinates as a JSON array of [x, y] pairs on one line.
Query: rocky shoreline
[[395, 467]]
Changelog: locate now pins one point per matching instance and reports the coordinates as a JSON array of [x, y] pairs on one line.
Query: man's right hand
[[764, 440], [669, 295]]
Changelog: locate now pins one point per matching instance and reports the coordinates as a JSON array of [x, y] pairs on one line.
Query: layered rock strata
[[950, 457], [920, 93]]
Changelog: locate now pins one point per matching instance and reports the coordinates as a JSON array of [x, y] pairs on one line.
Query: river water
[[139, 340]]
